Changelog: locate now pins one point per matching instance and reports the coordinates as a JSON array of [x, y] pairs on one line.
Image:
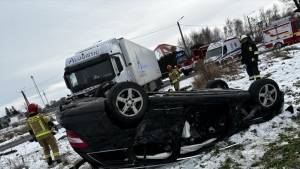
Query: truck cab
[[114, 60], [187, 64], [92, 66]]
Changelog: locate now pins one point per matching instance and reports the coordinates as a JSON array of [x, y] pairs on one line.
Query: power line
[[202, 25], [152, 32], [44, 82]]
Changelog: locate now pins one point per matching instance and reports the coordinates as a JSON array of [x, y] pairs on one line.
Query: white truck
[[281, 33], [223, 52], [112, 61]]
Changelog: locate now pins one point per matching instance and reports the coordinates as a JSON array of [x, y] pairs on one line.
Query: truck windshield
[[181, 59], [91, 75], [214, 52]]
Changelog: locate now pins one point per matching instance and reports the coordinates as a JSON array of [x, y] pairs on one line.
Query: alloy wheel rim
[[267, 95], [129, 102]]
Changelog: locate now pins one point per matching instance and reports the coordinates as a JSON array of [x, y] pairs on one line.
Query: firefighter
[[250, 57], [174, 77], [40, 129]]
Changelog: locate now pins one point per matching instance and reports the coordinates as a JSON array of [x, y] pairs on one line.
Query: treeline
[[12, 111], [237, 27]]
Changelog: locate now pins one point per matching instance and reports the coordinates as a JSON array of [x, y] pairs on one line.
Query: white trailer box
[[114, 60], [144, 67]]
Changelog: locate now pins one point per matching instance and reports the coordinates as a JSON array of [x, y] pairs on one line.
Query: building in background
[[164, 49]]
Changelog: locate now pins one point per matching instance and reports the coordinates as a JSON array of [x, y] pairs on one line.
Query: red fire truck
[[281, 33], [187, 64]]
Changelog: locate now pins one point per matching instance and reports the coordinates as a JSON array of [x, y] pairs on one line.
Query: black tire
[[265, 93], [217, 84], [127, 102], [186, 73], [278, 45]]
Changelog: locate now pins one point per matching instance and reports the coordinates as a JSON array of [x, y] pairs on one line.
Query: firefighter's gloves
[[253, 59], [56, 128]]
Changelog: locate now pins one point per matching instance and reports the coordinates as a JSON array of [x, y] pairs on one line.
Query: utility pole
[[25, 98], [46, 98], [186, 49], [38, 91], [249, 23]]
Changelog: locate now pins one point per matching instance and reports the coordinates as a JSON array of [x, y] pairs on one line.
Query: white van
[[223, 52]]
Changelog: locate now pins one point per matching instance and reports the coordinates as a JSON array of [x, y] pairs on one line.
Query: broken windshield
[[213, 52], [91, 75]]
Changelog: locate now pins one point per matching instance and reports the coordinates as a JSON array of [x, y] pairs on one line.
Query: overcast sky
[[37, 36]]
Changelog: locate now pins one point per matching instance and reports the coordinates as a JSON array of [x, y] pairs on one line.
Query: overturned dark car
[[129, 128]]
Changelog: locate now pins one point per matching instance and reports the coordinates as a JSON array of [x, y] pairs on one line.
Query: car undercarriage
[[129, 128]]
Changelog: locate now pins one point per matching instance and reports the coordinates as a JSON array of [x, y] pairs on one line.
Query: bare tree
[[262, 15], [238, 27], [207, 34], [187, 40], [276, 15], [195, 37], [269, 14], [216, 36], [229, 26], [225, 29], [292, 3]]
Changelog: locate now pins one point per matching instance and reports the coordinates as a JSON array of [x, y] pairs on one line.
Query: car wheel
[[220, 84], [127, 102], [265, 93]]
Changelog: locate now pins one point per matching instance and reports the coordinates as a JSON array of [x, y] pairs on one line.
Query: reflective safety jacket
[[249, 52], [174, 76], [39, 126]]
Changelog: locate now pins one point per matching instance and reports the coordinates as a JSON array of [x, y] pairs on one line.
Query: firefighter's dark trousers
[[50, 141], [252, 70]]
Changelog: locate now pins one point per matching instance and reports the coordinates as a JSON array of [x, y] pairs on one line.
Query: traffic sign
[[260, 24]]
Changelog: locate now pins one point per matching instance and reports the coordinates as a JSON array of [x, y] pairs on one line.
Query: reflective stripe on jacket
[[174, 76], [39, 125]]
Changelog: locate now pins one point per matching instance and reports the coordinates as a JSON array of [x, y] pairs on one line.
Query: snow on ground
[[253, 140], [256, 139]]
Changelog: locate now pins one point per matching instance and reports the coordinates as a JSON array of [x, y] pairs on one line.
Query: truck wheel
[[265, 93], [217, 84], [186, 73], [127, 102], [278, 45]]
